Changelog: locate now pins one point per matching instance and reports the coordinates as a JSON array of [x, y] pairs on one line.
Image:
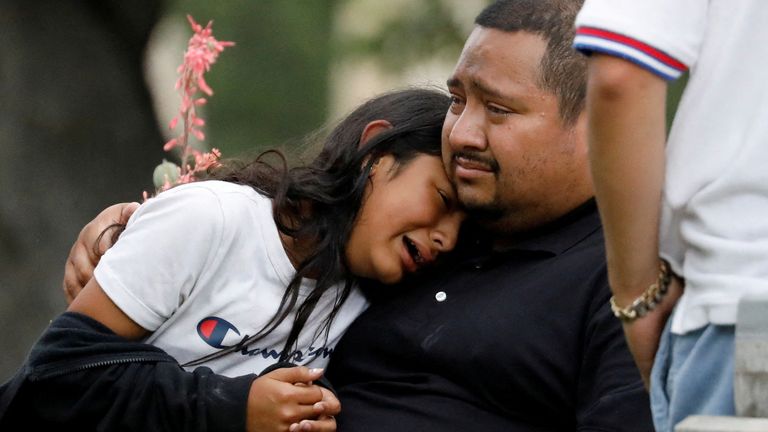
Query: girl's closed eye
[[447, 200]]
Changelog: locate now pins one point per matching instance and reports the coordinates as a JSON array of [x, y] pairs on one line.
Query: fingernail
[[316, 370], [293, 428]]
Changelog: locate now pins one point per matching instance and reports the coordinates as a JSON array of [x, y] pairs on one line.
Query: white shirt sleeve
[[663, 36], [159, 257]]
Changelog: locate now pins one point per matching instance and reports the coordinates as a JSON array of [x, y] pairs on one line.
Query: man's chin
[[485, 213], [480, 208]]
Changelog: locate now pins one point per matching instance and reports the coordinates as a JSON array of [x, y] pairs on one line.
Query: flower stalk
[[202, 52]]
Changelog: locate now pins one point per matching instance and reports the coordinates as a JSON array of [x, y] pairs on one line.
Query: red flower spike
[[170, 144], [202, 52]]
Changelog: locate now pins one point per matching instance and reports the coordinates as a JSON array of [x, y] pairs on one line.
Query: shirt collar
[[551, 239], [561, 234]]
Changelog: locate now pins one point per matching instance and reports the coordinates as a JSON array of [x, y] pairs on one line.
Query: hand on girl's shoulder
[[90, 245]]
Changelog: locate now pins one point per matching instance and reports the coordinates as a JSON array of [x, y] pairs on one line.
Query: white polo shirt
[[202, 266], [714, 221]]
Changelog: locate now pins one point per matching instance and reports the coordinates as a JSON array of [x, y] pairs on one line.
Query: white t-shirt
[[714, 221], [202, 266]]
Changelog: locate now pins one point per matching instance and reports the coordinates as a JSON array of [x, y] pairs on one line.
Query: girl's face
[[409, 216]]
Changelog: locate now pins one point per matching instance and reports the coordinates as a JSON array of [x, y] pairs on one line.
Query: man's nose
[[468, 131]]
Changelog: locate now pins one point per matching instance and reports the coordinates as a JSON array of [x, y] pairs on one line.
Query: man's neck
[[506, 233]]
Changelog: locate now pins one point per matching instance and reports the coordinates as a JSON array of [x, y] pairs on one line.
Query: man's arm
[[627, 134]]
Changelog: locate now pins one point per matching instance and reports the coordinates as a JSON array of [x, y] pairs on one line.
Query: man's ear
[[372, 129]]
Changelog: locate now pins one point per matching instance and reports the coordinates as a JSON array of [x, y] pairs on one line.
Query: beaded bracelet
[[647, 300]]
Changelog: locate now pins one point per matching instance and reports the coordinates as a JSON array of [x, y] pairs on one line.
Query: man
[[517, 334], [708, 224], [519, 337]]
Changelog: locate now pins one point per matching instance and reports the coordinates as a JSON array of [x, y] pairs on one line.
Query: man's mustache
[[491, 163]]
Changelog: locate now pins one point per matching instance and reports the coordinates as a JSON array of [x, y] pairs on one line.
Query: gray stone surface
[[722, 424], [751, 358]]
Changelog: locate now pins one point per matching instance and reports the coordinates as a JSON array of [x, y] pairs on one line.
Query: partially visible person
[[239, 273], [516, 334], [695, 209]]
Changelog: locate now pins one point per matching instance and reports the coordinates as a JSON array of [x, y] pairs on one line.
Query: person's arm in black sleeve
[[611, 396], [83, 375]]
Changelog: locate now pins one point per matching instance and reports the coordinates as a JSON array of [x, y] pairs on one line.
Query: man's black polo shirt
[[522, 340]]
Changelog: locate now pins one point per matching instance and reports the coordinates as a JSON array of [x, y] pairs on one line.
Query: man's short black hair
[[563, 71]]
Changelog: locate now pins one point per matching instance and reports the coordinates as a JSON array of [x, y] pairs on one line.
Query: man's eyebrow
[[482, 87], [488, 90]]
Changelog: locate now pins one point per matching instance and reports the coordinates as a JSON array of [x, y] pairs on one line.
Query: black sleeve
[[82, 375], [611, 392]]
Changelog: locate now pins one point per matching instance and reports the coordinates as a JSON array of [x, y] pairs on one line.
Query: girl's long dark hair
[[320, 201]]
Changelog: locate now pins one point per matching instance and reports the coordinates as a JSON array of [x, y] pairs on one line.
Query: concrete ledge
[[751, 359], [722, 424]]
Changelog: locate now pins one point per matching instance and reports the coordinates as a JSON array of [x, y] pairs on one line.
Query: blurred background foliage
[[282, 80], [273, 85], [86, 89], [674, 93], [430, 28]]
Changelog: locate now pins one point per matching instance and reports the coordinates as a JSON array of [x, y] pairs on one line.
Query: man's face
[[515, 164]]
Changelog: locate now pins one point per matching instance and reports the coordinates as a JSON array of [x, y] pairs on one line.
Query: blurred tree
[[76, 126], [427, 29]]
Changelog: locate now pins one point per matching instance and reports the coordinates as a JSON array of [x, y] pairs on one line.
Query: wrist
[[632, 308]]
